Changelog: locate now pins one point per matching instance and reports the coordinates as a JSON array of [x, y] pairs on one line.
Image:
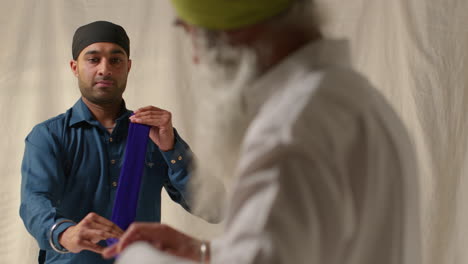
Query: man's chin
[[104, 100]]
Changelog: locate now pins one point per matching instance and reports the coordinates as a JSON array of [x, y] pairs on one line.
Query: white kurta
[[327, 173]]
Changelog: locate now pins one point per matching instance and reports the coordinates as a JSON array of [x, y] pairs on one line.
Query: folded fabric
[[126, 199]]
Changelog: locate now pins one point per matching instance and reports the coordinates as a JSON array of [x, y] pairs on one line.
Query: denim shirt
[[71, 167]]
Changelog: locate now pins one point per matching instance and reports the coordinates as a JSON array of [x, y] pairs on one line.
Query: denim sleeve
[[179, 161], [42, 184]]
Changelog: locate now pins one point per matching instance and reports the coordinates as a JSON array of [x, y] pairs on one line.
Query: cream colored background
[[414, 51]]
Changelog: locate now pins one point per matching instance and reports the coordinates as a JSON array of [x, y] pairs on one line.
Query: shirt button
[[173, 161], [112, 161], [110, 139], [114, 184], [179, 158]]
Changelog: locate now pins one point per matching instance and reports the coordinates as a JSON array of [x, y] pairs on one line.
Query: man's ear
[[129, 65], [74, 67]]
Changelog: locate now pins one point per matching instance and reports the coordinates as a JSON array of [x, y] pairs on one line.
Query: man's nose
[[104, 68]]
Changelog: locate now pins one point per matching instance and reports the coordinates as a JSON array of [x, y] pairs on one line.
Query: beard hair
[[87, 91], [222, 78]]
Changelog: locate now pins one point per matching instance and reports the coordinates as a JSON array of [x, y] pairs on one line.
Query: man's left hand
[[160, 120]]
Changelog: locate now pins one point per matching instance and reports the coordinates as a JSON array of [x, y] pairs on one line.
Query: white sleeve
[[144, 253], [284, 209]]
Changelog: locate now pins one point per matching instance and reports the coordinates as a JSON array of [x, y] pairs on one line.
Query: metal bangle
[[203, 251], [51, 242]]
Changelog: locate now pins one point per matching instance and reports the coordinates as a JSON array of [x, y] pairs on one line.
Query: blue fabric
[[70, 166], [126, 200]]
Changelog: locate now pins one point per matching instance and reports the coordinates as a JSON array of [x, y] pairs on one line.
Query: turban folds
[[99, 31], [228, 14]]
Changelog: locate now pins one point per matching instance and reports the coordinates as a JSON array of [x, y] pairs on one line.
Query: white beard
[[222, 78]]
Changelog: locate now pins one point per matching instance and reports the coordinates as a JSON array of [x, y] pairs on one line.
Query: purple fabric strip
[[126, 199]]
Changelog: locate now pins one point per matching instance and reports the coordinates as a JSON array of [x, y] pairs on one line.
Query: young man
[[72, 162], [325, 172]]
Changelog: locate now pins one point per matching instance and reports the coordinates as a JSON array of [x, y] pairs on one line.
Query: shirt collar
[[81, 113], [316, 55]]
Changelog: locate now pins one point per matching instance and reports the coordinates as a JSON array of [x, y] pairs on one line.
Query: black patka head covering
[[99, 31]]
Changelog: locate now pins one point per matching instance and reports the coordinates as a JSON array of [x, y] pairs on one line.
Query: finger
[[127, 239], [152, 114], [110, 252], [139, 232], [157, 245], [151, 110], [105, 230], [87, 245], [100, 222], [97, 235], [151, 121], [98, 228], [106, 222], [147, 108]]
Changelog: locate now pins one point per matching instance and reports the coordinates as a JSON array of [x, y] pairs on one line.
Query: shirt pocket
[[155, 164], [155, 171]]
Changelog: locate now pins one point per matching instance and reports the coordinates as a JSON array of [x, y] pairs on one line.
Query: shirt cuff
[[62, 225], [179, 157]]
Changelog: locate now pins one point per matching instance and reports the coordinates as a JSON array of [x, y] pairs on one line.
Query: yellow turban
[[228, 14]]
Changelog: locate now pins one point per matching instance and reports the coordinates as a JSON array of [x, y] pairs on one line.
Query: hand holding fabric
[[160, 236], [88, 232], [160, 120]]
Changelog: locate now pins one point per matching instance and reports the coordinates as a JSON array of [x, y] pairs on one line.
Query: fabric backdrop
[[415, 52]]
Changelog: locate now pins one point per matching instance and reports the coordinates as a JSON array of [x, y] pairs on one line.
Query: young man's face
[[102, 69]]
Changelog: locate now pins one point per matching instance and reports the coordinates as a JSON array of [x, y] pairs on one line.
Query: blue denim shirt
[[71, 167]]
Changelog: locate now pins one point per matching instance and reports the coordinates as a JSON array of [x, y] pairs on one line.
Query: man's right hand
[[88, 232], [162, 237]]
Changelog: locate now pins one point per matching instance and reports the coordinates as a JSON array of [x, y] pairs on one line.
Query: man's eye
[[93, 60], [115, 60]]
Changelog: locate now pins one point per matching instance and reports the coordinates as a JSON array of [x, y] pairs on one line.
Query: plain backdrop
[[415, 52]]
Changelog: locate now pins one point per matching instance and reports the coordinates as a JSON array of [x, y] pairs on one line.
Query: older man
[[325, 172]]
